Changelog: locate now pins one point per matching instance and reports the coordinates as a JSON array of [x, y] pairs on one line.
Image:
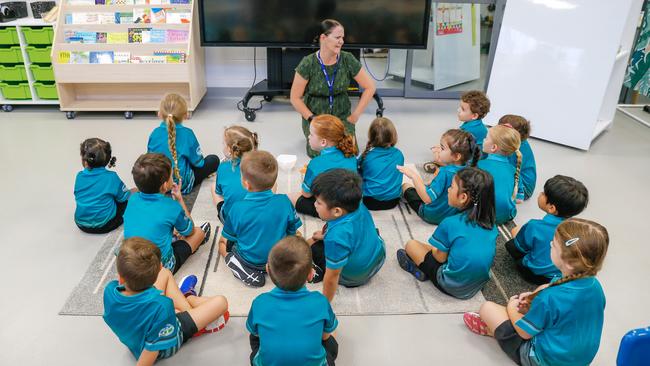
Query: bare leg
[[195, 301], [515, 231], [493, 315], [216, 198], [222, 247], [166, 283], [195, 239], [406, 186], [417, 250], [208, 311]]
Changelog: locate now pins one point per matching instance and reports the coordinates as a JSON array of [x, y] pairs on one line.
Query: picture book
[[79, 57], [141, 15], [139, 35], [121, 57], [101, 37], [64, 57], [101, 57], [117, 37], [106, 18], [172, 57], [177, 36], [124, 17], [178, 16], [158, 36], [158, 15]]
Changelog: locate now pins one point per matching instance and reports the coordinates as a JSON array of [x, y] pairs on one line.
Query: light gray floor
[[45, 255]]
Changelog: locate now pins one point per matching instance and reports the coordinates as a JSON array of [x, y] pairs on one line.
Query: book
[[139, 35], [117, 37], [177, 36], [178, 16], [141, 15], [158, 36], [172, 57], [100, 2], [148, 59], [87, 37], [179, 1], [106, 18], [124, 17], [158, 15], [121, 57], [82, 18], [64, 57], [79, 57], [101, 57], [101, 37]]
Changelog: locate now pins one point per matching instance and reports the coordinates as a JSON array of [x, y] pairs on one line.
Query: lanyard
[[330, 83]]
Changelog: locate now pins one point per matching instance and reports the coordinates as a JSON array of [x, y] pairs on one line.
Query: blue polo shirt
[[154, 217], [477, 129], [381, 179], [471, 250], [566, 322], [503, 174], [188, 151], [290, 325], [329, 158], [353, 244], [229, 185], [439, 208], [96, 192], [534, 239], [144, 321], [528, 170], [259, 221]]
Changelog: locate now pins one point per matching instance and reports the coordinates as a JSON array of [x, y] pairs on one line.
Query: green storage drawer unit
[[11, 55], [8, 36], [46, 90], [38, 36], [42, 72], [15, 91], [12, 73], [39, 55]]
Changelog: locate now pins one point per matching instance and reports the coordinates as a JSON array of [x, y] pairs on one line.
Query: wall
[[232, 67]]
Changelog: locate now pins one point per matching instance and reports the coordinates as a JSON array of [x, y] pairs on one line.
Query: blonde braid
[[517, 173], [171, 141], [563, 280]]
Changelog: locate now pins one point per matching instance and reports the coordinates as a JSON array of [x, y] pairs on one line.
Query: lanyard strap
[[330, 82]]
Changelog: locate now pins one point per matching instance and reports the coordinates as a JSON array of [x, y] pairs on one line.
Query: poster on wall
[[449, 19], [638, 71]]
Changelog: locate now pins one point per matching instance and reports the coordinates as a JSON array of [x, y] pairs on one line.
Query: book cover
[[158, 36], [87, 37], [101, 57], [79, 57], [106, 18], [177, 36], [179, 1], [140, 2], [117, 37], [64, 57], [121, 57], [100, 2], [139, 35], [124, 17], [101, 37], [158, 15], [141, 15], [172, 57], [178, 16]]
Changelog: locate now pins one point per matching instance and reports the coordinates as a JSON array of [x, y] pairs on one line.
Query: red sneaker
[[474, 323], [215, 326]]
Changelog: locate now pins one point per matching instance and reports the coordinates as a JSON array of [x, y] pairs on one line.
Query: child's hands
[[407, 171], [176, 191], [524, 303], [318, 235]]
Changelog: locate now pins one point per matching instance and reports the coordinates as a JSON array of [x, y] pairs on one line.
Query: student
[[179, 144], [100, 194], [528, 166], [337, 150], [460, 252], [382, 183], [154, 216], [457, 149], [291, 312], [563, 197], [148, 312], [560, 323], [501, 142], [349, 249], [237, 141], [258, 221]]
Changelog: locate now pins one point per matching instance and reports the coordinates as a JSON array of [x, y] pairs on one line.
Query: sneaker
[[430, 167], [318, 274], [215, 326], [475, 324], [253, 278], [187, 285], [207, 229], [409, 266]]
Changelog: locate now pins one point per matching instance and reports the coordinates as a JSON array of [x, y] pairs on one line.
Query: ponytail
[[363, 155], [171, 141], [96, 153], [111, 163], [476, 152], [347, 146], [517, 173], [173, 108]]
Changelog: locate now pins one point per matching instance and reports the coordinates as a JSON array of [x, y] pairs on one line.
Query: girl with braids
[[457, 149], [528, 165], [460, 252], [180, 145], [337, 149], [560, 323], [100, 194], [501, 142], [237, 141], [381, 181]]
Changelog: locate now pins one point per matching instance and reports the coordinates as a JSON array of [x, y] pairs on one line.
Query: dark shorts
[[210, 165], [219, 214], [413, 199], [111, 225], [182, 251], [306, 206], [330, 344], [525, 272], [377, 205], [512, 344], [430, 267], [188, 326], [230, 248]]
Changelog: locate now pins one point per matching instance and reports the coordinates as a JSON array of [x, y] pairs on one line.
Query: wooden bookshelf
[[126, 87]]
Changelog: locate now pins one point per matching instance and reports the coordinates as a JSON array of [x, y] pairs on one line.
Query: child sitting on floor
[[563, 197], [100, 194], [460, 252], [148, 312], [290, 311], [528, 168], [255, 223], [154, 216]]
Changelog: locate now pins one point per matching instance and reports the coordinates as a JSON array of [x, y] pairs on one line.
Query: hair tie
[[508, 125], [571, 241]]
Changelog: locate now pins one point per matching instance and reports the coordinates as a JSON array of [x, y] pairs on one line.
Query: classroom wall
[[232, 67]]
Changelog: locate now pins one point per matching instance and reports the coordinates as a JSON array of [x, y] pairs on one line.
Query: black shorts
[[188, 326], [219, 214], [182, 251], [524, 271], [430, 267], [512, 344], [330, 344], [376, 205], [413, 199], [111, 225], [306, 206]]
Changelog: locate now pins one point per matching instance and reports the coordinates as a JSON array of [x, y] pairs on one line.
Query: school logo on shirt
[[166, 331]]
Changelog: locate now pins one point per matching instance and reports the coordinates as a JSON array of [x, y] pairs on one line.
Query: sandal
[[430, 167], [475, 324]]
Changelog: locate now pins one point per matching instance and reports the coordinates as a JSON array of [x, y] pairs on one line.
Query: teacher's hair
[[331, 129], [326, 27]]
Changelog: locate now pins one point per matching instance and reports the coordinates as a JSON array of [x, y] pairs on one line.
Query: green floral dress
[[317, 92]]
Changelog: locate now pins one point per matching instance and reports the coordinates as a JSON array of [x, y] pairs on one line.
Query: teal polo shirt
[[528, 170], [229, 185], [381, 179], [353, 245], [477, 129], [503, 174], [439, 208], [96, 192], [259, 221], [566, 322], [188, 151], [290, 325], [154, 217], [329, 158], [534, 239], [471, 250]]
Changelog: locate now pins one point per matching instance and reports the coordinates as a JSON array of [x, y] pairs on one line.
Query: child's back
[[188, 151], [533, 239], [504, 184], [97, 192], [228, 185], [329, 158], [528, 174], [380, 178], [439, 208]]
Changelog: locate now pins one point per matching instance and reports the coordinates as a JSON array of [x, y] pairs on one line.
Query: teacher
[[322, 79]]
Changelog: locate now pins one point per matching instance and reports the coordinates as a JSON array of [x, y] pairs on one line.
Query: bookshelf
[[125, 86]]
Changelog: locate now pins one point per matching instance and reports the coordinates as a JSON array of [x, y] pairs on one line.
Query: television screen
[[293, 23]]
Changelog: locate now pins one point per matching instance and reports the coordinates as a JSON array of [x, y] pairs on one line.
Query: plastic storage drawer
[[38, 36], [11, 55], [8, 36], [42, 72], [12, 73], [15, 91], [46, 90], [39, 55]]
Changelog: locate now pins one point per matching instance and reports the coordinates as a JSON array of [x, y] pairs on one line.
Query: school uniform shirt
[[471, 250], [329, 158], [353, 245], [154, 217], [144, 321], [96, 192], [566, 322], [477, 129], [229, 184], [528, 170], [259, 221], [290, 325], [534, 239], [188, 151], [503, 174], [439, 208], [381, 179]]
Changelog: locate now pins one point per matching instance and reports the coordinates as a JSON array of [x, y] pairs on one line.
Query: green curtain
[[638, 72]]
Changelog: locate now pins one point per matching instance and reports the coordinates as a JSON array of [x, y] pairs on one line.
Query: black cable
[[370, 72], [240, 104]]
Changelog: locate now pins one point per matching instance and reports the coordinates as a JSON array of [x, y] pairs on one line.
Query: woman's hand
[[353, 118]]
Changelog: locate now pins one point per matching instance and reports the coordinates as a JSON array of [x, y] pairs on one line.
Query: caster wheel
[[128, 115], [70, 115], [380, 112], [7, 107], [250, 115], [268, 98]]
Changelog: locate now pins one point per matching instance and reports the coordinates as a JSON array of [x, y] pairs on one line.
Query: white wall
[[232, 67]]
